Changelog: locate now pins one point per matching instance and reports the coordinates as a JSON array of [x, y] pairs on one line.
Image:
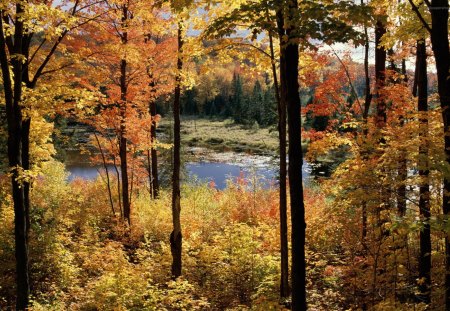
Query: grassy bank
[[224, 135]]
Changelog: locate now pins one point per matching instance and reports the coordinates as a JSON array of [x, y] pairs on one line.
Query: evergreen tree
[[269, 104], [256, 103], [237, 98], [190, 104]]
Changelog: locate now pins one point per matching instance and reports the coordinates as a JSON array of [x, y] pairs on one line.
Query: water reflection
[[208, 167], [220, 173], [217, 172]]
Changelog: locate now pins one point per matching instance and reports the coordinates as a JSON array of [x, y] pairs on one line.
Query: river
[[206, 166]]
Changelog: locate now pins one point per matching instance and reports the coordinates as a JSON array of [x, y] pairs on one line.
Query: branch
[[416, 10], [68, 64], [88, 5], [57, 69], [348, 77], [87, 20], [8, 39], [244, 44], [37, 50], [52, 50], [58, 41], [48, 57], [74, 10], [7, 84]]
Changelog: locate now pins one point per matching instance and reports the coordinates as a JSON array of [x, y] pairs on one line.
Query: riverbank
[[224, 135], [196, 132]]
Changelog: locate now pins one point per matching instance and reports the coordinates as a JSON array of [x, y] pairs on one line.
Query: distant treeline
[[248, 103]]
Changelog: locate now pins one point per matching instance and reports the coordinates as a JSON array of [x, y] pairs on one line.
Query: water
[[217, 169], [221, 173], [204, 172], [87, 171]]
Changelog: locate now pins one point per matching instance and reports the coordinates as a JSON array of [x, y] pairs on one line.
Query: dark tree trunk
[[402, 163], [381, 116], [424, 188], [154, 153], [401, 188], [175, 236], [380, 123], [20, 219], [119, 188], [367, 92], [149, 172], [280, 95], [440, 45], [108, 179], [123, 128], [380, 75], [367, 102], [123, 148], [13, 97], [26, 124], [291, 54]]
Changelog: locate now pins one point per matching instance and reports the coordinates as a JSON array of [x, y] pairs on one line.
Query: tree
[[22, 69], [181, 10], [154, 154], [176, 238], [124, 62], [314, 20], [123, 110], [237, 99], [257, 103], [438, 30], [281, 107], [13, 93], [159, 64], [290, 53], [424, 191]]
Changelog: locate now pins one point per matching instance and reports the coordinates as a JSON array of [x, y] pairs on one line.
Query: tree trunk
[[26, 125], [149, 172], [281, 105], [123, 154], [123, 129], [381, 116], [402, 169], [154, 153], [175, 236], [440, 45], [367, 102], [401, 178], [119, 188], [424, 188], [380, 76], [20, 219], [108, 180], [13, 97], [290, 80]]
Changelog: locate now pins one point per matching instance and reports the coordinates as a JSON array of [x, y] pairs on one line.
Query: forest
[[224, 155]]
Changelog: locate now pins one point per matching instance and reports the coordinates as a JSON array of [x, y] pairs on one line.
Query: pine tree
[[237, 99]]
